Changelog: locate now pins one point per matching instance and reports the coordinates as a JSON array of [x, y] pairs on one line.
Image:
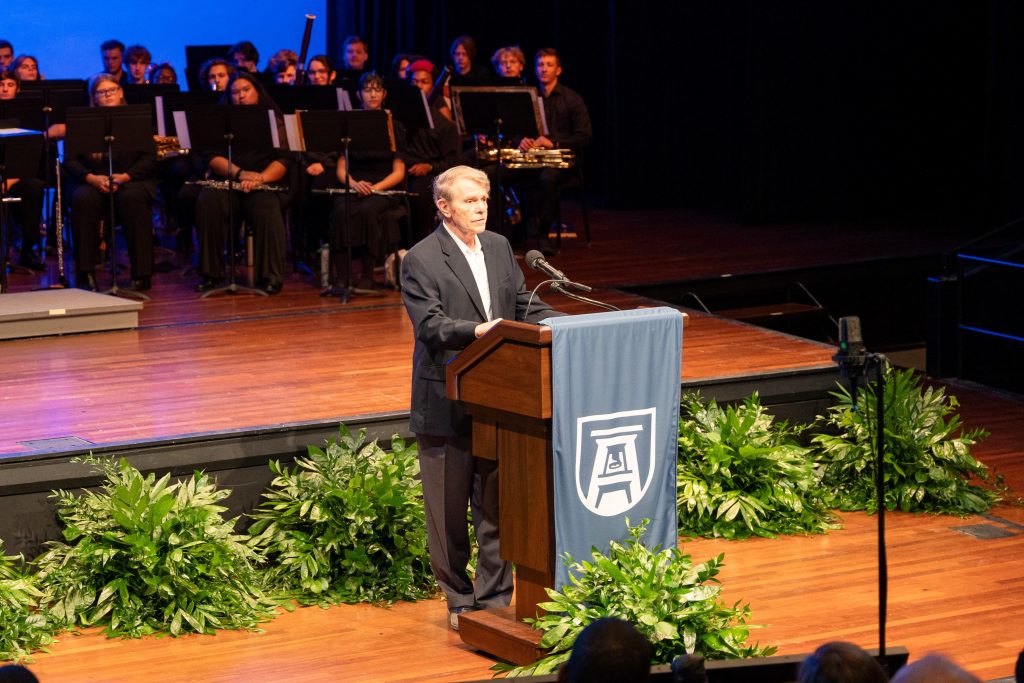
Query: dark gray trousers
[[452, 479]]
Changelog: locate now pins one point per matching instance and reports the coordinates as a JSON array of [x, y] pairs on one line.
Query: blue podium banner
[[615, 420]]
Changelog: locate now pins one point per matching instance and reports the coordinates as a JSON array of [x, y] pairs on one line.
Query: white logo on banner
[[615, 460]]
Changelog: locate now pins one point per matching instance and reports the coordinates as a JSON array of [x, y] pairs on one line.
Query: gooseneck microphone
[[536, 260]]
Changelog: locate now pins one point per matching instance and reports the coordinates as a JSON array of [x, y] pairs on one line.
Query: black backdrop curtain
[[781, 111]]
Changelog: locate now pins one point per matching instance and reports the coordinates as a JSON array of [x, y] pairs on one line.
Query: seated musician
[[464, 71], [138, 59], [27, 68], [321, 70], [215, 73], [568, 128], [374, 218], [112, 54], [429, 152], [356, 54], [245, 56], [6, 54], [28, 212], [134, 190], [164, 74], [261, 209], [509, 64], [283, 66]]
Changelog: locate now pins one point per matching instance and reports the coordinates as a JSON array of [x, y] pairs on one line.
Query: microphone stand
[[854, 364]]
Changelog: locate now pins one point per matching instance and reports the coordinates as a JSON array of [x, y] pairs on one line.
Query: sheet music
[[426, 106], [161, 128], [181, 125], [291, 128], [543, 115], [273, 129], [344, 101]]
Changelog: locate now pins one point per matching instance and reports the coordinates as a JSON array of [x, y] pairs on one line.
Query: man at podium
[[457, 284]]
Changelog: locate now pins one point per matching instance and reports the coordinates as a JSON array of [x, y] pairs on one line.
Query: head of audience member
[[421, 74], [1018, 672], [164, 74], [547, 67], [105, 91], [462, 53], [16, 673], [6, 54], [933, 669], [321, 70], [371, 90], [215, 73], [112, 52], [608, 649], [27, 68], [356, 52], [509, 62], [245, 56], [689, 669], [138, 59], [9, 84], [840, 662]]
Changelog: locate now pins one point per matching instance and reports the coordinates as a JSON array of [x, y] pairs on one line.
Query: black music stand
[[292, 98], [512, 111], [222, 130], [345, 132], [408, 105], [20, 150], [52, 97], [123, 130]]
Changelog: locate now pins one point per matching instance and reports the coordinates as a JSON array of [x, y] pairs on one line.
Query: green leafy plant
[[740, 473], [147, 555], [24, 628], [928, 464], [347, 524], [672, 601]]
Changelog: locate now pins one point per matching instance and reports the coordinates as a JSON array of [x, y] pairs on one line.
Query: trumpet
[[223, 185]]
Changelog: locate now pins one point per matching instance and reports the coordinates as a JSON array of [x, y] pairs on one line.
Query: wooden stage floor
[[235, 363]]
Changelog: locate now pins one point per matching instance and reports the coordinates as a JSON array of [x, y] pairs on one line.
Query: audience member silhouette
[[608, 650], [934, 669], [841, 663], [689, 669]]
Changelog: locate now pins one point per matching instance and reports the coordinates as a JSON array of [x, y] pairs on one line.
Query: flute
[[236, 185], [385, 193]]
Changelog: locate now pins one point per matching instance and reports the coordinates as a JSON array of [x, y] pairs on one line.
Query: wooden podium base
[[499, 633]]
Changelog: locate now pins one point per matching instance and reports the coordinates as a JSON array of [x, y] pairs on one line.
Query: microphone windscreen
[[532, 257]]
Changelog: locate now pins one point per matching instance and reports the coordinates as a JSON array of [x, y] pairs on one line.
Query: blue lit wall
[[65, 36]]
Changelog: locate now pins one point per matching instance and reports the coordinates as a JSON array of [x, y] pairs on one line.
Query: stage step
[[64, 311]]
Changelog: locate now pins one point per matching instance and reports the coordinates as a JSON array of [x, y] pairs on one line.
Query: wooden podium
[[504, 380]]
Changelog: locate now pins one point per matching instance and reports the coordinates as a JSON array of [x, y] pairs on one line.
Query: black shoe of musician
[[273, 287], [86, 280], [207, 284], [141, 284]]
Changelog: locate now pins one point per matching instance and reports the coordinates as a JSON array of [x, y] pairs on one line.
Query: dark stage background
[[800, 110]]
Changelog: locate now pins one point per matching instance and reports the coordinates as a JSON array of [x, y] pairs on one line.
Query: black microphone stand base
[[126, 293], [346, 293], [233, 288]]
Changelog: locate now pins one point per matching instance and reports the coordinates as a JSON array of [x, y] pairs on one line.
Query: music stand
[[20, 150], [123, 130], [408, 105], [56, 96], [514, 111], [346, 131], [222, 130]]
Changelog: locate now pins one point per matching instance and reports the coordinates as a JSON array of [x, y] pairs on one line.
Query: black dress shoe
[[273, 287], [141, 284], [86, 280], [207, 284]]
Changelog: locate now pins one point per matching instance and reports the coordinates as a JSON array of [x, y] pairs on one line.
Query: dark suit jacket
[[444, 305]]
